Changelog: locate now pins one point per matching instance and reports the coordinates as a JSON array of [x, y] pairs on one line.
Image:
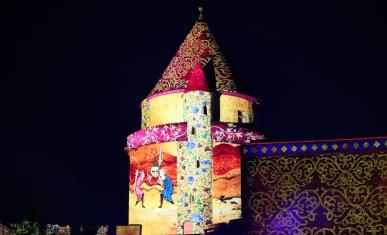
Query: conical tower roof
[[198, 46]]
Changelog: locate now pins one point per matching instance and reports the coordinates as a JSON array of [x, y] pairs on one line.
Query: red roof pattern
[[197, 81]]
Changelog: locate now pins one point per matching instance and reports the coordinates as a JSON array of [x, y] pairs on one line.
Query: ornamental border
[[314, 146], [220, 132]]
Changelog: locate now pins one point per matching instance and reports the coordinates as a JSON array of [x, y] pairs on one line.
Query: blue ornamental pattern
[[264, 149]]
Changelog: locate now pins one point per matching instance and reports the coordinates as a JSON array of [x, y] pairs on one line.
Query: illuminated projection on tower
[[185, 166]]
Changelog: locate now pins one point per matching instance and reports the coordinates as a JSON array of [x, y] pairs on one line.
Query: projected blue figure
[[166, 182]]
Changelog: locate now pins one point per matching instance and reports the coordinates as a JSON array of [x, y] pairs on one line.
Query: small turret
[[194, 172]]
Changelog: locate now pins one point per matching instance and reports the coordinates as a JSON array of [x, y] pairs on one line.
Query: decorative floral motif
[[220, 132], [337, 193], [347, 169], [199, 45], [157, 134], [231, 133]]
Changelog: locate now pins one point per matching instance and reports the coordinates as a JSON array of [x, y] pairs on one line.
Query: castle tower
[[185, 171]]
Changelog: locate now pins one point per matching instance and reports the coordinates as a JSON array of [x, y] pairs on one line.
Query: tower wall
[[162, 109], [226, 187], [168, 108], [230, 105], [145, 161], [194, 170]]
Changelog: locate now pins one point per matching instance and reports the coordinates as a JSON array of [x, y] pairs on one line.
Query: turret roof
[[198, 46], [197, 81]]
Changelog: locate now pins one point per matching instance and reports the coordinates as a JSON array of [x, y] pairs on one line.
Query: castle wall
[[316, 187], [230, 105]]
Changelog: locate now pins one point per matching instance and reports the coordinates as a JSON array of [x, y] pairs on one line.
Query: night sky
[[74, 73]]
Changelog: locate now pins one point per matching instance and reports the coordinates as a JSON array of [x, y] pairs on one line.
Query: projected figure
[[166, 182], [152, 175], [152, 178], [137, 187]]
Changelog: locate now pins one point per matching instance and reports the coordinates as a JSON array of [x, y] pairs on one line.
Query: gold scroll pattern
[[145, 114], [199, 45], [337, 193]]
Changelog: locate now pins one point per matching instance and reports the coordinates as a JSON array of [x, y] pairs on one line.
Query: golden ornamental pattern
[[145, 114], [198, 46], [336, 193]]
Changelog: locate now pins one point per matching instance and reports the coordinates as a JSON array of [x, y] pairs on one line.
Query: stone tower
[[185, 169], [194, 171]]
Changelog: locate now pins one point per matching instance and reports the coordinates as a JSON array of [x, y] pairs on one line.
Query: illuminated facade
[[185, 166], [185, 161], [316, 187]]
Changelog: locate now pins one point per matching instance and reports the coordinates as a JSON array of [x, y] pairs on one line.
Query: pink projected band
[[220, 132]]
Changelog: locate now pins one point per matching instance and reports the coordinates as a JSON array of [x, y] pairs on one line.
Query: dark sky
[[74, 73]]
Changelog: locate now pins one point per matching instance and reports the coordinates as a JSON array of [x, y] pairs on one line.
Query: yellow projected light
[[236, 109]]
